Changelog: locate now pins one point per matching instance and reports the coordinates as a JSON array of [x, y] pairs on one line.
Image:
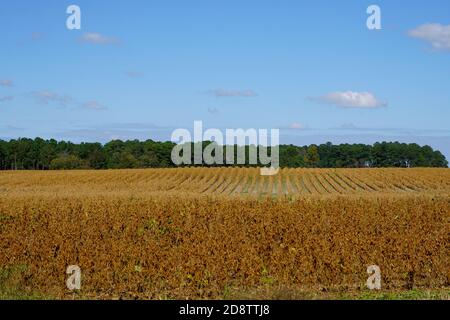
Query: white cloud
[[351, 99], [220, 93], [46, 97], [6, 98], [49, 97], [94, 105], [297, 126], [98, 38], [6, 83], [436, 34]]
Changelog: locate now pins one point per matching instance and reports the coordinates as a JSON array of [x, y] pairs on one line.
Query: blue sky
[[139, 69]]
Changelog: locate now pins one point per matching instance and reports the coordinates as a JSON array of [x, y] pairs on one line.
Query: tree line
[[40, 154]]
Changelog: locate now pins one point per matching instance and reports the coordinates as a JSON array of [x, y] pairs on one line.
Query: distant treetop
[[40, 154]]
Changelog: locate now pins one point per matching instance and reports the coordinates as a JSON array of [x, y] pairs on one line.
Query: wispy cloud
[[94, 105], [348, 126], [37, 36], [297, 126], [6, 83], [220, 93], [11, 128], [124, 131], [404, 131], [98, 38], [47, 97], [134, 74], [213, 110], [351, 99], [436, 34], [6, 98], [132, 126]]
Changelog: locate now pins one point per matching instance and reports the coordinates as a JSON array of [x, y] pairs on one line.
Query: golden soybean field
[[223, 232]]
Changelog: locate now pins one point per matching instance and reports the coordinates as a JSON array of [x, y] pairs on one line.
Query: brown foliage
[[184, 245]]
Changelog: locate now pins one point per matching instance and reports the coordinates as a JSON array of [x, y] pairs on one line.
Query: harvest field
[[226, 182], [223, 232]]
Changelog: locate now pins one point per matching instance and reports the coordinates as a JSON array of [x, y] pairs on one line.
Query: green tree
[[312, 157], [67, 162]]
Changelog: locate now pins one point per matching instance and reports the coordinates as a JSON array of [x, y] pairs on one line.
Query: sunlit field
[[224, 233]]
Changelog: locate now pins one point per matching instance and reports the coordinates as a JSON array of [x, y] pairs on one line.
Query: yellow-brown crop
[[201, 233]]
